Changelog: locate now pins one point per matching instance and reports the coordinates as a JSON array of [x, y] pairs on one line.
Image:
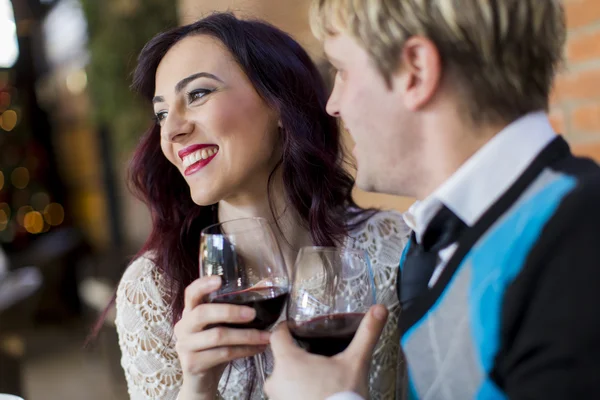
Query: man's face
[[374, 115]]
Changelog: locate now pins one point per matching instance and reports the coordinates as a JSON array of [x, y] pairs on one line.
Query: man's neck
[[450, 151]]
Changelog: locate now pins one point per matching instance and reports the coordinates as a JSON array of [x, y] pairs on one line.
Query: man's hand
[[300, 375]]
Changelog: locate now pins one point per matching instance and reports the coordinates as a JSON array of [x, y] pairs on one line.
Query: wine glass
[[332, 289], [245, 254]]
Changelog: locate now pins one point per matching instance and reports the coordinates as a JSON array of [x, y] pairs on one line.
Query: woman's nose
[[176, 127]]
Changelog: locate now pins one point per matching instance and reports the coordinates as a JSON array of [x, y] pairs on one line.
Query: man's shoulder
[[574, 215], [541, 226], [548, 328], [583, 200], [584, 171], [562, 194]]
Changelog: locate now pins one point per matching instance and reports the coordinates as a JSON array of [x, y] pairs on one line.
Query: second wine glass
[[332, 289]]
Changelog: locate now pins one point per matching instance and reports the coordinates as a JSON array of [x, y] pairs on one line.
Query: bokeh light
[[9, 44], [21, 213], [76, 81], [1, 180], [54, 214], [9, 120], [3, 220], [33, 222], [40, 200], [4, 216], [6, 208], [20, 177]]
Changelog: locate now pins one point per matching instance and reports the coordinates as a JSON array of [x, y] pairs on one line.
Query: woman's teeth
[[199, 155]]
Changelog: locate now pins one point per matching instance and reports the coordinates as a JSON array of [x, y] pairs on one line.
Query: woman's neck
[[287, 225]]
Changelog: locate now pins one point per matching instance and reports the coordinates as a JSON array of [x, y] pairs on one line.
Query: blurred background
[[68, 124]]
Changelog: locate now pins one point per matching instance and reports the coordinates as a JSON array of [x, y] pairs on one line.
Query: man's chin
[[365, 184]]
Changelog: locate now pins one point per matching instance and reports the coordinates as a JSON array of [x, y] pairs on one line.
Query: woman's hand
[[204, 352]]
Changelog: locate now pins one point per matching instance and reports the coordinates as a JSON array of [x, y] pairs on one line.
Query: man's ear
[[419, 72]]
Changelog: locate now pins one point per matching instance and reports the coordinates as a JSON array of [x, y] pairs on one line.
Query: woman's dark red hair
[[312, 164]]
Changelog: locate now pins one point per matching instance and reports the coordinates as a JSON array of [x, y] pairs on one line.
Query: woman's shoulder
[[146, 339], [141, 267], [384, 236], [392, 219], [142, 282]]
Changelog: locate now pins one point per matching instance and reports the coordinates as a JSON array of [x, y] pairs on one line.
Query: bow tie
[[444, 229]]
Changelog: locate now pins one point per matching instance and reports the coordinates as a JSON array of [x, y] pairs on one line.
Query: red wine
[[268, 303], [327, 335]]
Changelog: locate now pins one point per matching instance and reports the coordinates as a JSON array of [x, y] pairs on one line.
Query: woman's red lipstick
[[197, 156]]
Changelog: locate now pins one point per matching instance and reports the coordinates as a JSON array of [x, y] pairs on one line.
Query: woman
[[241, 127]]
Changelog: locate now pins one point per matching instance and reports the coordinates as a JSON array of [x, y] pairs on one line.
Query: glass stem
[[260, 368]]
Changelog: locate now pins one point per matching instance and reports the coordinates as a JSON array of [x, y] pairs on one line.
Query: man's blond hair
[[502, 54]]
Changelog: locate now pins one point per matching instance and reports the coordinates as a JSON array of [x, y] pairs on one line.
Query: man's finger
[[366, 338], [282, 341]]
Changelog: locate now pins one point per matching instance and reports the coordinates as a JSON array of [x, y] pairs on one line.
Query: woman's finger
[[200, 288], [199, 362], [205, 315], [222, 337]]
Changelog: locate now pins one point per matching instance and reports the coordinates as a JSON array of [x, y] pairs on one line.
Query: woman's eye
[[160, 116], [197, 94]]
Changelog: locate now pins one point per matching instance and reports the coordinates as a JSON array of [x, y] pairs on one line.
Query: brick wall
[[289, 15], [575, 109]]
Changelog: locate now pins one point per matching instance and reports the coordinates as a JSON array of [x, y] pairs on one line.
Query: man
[[446, 102]]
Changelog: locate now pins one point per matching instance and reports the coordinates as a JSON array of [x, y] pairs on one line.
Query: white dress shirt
[[479, 183]]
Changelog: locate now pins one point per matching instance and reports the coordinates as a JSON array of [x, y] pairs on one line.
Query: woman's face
[[214, 126]]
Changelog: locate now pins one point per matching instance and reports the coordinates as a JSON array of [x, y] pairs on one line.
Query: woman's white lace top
[[147, 342]]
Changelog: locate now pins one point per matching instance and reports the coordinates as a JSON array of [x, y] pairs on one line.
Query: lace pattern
[[146, 339]]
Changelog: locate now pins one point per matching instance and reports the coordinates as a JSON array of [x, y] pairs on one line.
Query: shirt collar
[[486, 175], [420, 213]]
